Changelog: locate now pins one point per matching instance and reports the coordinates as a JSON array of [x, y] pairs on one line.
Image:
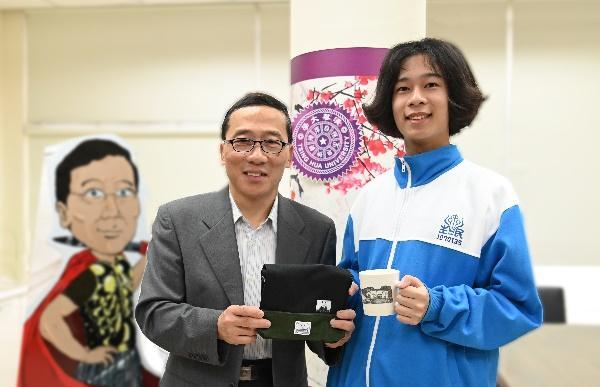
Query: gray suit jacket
[[193, 274]]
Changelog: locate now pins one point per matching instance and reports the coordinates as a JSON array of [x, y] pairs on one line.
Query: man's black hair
[[83, 154], [258, 99], [464, 95]]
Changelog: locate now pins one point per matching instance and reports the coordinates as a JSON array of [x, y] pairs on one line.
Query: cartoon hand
[[102, 355]]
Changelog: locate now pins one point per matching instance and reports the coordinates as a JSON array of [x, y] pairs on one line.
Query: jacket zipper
[[405, 167]]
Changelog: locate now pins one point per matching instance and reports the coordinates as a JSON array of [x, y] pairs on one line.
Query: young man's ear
[[63, 215]]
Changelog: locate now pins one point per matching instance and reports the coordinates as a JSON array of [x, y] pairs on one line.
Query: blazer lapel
[[292, 247], [220, 246]]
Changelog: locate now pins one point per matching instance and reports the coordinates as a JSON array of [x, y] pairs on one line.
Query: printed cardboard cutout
[[82, 331]]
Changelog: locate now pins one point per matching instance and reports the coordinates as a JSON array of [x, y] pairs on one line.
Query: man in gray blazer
[[201, 288]]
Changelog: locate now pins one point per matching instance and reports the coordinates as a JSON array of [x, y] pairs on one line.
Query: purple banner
[[337, 62]]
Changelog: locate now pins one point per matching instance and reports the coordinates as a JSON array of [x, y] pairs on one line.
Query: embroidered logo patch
[[323, 306], [302, 328], [452, 230]]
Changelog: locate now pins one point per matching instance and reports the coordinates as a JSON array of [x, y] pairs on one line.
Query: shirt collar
[[237, 214]]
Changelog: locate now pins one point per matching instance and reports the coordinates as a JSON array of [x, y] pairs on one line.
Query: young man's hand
[[412, 300], [344, 320]]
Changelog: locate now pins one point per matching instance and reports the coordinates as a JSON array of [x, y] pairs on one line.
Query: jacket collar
[[292, 244], [219, 207], [220, 246], [422, 168]]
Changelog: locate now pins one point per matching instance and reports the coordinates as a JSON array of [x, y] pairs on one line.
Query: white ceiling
[[24, 4]]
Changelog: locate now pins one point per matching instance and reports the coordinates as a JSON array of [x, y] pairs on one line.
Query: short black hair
[[258, 99], [464, 95], [83, 154]]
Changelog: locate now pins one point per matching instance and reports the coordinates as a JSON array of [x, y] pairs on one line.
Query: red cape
[[39, 365]]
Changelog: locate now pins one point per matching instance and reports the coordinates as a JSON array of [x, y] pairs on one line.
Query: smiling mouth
[[255, 174], [110, 234], [416, 117]]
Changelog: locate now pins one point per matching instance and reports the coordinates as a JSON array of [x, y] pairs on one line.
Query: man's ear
[[63, 215], [221, 149], [290, 155]]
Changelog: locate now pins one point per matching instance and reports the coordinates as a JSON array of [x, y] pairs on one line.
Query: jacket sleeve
[[503, 303], [162, 312], [350, 260]]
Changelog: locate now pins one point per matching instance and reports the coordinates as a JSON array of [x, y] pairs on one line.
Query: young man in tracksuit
[[453, 229]]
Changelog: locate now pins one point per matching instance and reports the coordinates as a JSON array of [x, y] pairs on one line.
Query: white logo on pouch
[[302, 328], [323, 306]]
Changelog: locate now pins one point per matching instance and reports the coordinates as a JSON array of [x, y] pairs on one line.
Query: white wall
[[545, 144], [140, 64], [556, 128], [12, 240], [478, 29], [3, 243], [12, 156], [160, 77], [163, 76]]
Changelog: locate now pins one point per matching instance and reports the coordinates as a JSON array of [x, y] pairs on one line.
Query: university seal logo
[[326, 141]]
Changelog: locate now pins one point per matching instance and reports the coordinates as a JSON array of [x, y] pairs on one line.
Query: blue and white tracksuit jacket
[[458, 228]]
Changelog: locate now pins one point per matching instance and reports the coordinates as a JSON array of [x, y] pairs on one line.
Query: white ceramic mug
[[377, 291]]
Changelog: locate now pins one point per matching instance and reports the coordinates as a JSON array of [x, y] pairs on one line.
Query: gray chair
[[553, 302]]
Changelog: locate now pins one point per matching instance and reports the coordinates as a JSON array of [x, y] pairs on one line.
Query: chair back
[[553, 301]]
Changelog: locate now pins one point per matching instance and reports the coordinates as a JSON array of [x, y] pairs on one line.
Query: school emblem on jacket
[[452, 230]]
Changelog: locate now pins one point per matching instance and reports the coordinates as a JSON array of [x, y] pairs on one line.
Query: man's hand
[[102, 355], [238, 324], [412, 300]]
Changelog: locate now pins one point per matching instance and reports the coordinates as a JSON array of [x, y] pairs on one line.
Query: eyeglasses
[[272, 147], [96, 196]]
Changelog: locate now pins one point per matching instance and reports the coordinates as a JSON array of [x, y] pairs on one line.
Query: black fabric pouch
[[301, 300]]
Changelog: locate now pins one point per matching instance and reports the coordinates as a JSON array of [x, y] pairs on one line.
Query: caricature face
[[102, 206]]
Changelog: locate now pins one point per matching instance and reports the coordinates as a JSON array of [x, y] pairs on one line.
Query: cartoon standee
[[83, 333]]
